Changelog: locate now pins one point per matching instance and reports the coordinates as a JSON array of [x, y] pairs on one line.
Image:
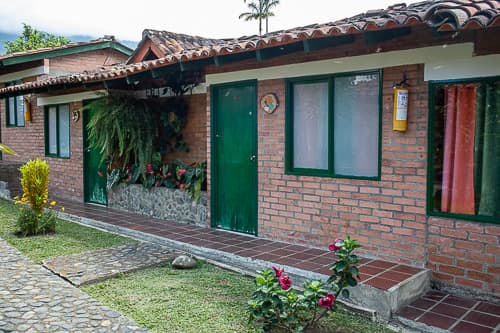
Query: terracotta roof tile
[[451, 15], [171, 42]]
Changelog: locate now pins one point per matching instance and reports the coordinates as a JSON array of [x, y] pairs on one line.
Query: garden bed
[[160, 202]]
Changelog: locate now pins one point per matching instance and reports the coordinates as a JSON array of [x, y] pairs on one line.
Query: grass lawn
[[69, 238], [207, 299]]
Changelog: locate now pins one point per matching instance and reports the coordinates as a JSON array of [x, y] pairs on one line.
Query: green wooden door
[[94, 173], [234, 161]]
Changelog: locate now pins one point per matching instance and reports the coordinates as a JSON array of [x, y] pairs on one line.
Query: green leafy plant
[[35, 184], [191, 178], [122, 129], [276, 305], [32, 218], [30, 223]]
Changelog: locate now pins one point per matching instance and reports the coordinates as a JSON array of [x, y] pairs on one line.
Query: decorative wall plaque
[[269, 103]]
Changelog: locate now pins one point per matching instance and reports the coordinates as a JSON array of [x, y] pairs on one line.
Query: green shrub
[[35, 183], [276, 305], [30, 223], [33, 220]]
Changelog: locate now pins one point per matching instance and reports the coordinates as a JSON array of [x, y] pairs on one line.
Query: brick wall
[[66, 175], [195, 132], [90, 60], [389, 215], [464, 253]]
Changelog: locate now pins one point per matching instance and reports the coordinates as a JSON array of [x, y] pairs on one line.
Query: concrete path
[[93, 266], [33, 299]]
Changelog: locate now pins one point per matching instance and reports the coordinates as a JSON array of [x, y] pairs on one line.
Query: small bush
[[275, 305], [32, 219], [35, 183], [31, 223]]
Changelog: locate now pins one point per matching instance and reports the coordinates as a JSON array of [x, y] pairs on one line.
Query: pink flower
[[335, 246], [169, 174], [100, 174], [327, 301], [180, 172], [278, 271], [285, 282], [157, 183]]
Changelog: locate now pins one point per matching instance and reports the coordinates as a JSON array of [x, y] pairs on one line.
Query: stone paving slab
[[93, 266], [33, 299]]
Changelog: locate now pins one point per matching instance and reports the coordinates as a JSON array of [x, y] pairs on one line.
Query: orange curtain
[[458, 164]]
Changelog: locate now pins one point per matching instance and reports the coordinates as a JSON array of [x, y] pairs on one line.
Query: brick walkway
[[377, 273], [34, 300], [452, 313]]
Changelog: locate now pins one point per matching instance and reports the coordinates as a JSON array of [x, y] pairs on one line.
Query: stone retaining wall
[[159, 202]]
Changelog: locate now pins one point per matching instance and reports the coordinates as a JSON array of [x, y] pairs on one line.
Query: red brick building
[[22, 117], [299, 133]]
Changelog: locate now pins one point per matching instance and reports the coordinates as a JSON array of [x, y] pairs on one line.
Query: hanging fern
[[122, 129]]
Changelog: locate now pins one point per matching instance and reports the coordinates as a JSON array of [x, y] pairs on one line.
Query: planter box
[[159, 202]]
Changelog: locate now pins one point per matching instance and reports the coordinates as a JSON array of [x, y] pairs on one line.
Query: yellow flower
[[53, 203], [62, 209]]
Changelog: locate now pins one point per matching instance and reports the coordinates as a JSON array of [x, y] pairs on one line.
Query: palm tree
[[269, 5], [260, 10]]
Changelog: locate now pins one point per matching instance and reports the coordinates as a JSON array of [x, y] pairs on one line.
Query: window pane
[[20, 110], [310, 126], [52, 129], [64, 130], [356, 125], [467, 149], [12, 111]]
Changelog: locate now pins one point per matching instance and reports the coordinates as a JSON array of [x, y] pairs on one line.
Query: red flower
[[182, 186], [149, 168], [285, 282], [100, 174], [169, 174], [157, 183], [180, 172], [335, 246], [327, 301], [278, 271]]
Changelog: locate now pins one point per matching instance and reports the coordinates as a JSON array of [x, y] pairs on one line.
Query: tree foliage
[[31, 39], [260, 10]]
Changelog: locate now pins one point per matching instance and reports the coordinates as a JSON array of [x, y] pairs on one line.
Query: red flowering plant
[[276, 305]]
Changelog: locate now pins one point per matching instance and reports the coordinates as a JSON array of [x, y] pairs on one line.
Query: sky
[[127, 19]]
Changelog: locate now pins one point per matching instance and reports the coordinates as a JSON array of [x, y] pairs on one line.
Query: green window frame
[[57, 131], [437, 145], [14, 111], [334, 110]]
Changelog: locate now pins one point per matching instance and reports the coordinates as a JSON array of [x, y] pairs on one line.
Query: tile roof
[[105, 39], [171, 42], [443, 15]]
